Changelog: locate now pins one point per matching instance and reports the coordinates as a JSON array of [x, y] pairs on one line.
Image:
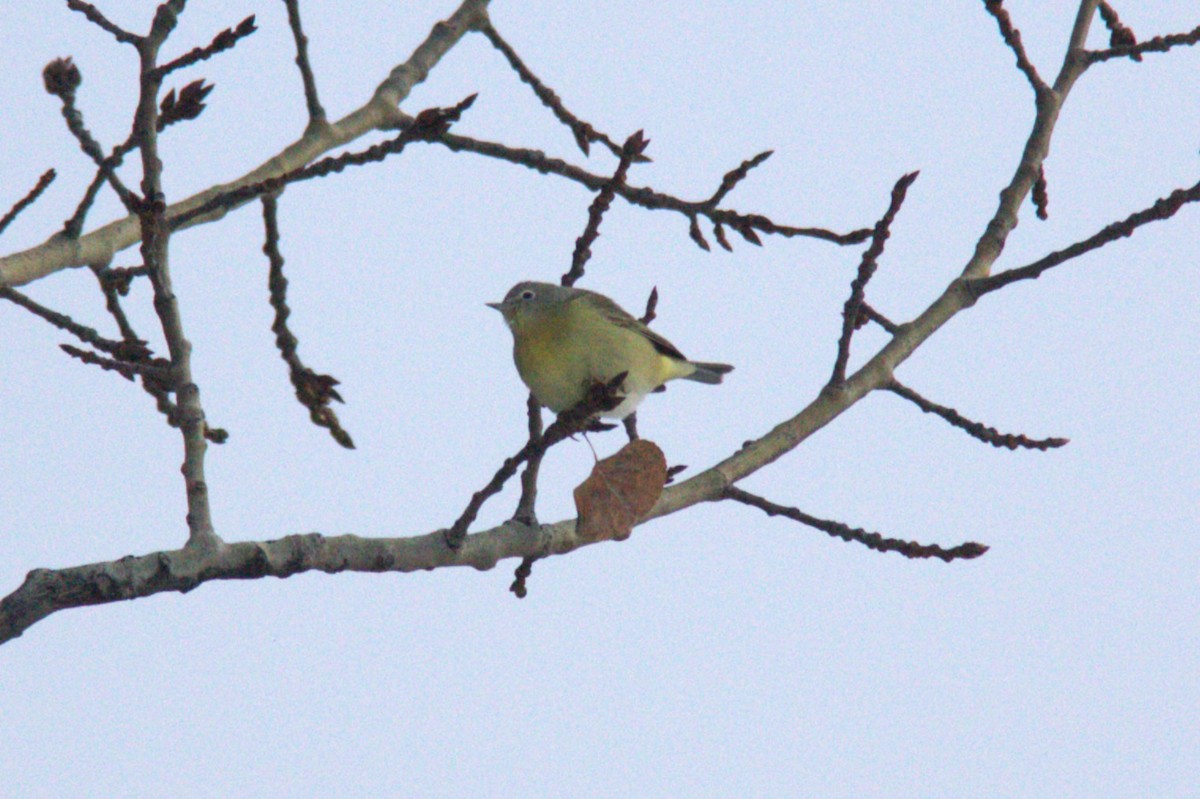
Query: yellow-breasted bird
[[566, 339]]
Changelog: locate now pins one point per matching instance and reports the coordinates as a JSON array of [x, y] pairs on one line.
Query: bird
[[566, 339]]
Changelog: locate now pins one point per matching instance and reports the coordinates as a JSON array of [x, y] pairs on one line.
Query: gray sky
[[717, 652]]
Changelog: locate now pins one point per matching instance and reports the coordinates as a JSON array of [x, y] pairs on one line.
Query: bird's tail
[[711, 373]]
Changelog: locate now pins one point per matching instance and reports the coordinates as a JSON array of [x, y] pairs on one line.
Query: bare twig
[[63, 322], [1163, 208], [601, 397], [1012, 37], [1120, 35], [62, 78], [630, 425], [584, 133], [74, 226], [156, 233], [315, 391], [875, 541], [866, 268], [526, 511], [316, 113], [380, 112], [988, 435], [646, 197], [634, 146], [225, 40], [651, 307], [157, 369], [29, 199], [1159, 44], [94, 16], [736, 176], [521, 575], [865, 310], [428, 125]]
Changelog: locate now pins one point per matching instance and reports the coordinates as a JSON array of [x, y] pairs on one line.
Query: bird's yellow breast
[[560, 352]]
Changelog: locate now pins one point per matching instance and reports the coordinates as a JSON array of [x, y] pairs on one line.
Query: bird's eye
[[528, 294]]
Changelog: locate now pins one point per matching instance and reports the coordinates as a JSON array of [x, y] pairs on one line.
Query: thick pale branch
[[711, 484], [46, 591], [381, 112]]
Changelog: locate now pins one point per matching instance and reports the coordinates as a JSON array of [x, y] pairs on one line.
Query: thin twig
[[1120, 35], [158, 369], [427, 126], [29, 199], [583, 132], [634, 146], [600, 397], [875, 541], [526, 511], [1163, 208], [62, 78], [63, 322], [736, 176], [1012, 37], [988, 435], [645, 197], [94, 16], [866, 268], [224, 40], [651, 307], [316, 114], [314, 391], [865, 310], [521, 575], [1159, 44]]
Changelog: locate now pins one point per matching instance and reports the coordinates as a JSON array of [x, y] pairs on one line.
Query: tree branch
[[1163, 208], [583, 132], [29, 199], [988, 435], [866, 268], [316, 113], [635, 145], [875, 541], [381, 112], [314, 391]]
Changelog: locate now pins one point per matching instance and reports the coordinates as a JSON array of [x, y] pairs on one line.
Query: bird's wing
[[623, 318]]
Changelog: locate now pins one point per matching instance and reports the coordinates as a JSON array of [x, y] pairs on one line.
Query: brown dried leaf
[[621, 489]]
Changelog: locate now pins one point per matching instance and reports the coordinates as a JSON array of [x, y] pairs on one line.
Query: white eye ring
[[528, 294]]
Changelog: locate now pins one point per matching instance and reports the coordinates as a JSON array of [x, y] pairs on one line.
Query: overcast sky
[[717, 652]]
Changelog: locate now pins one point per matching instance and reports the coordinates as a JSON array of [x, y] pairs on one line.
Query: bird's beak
[[499, 306]]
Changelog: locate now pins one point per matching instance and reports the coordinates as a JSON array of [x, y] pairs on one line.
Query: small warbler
[[566, 339]]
